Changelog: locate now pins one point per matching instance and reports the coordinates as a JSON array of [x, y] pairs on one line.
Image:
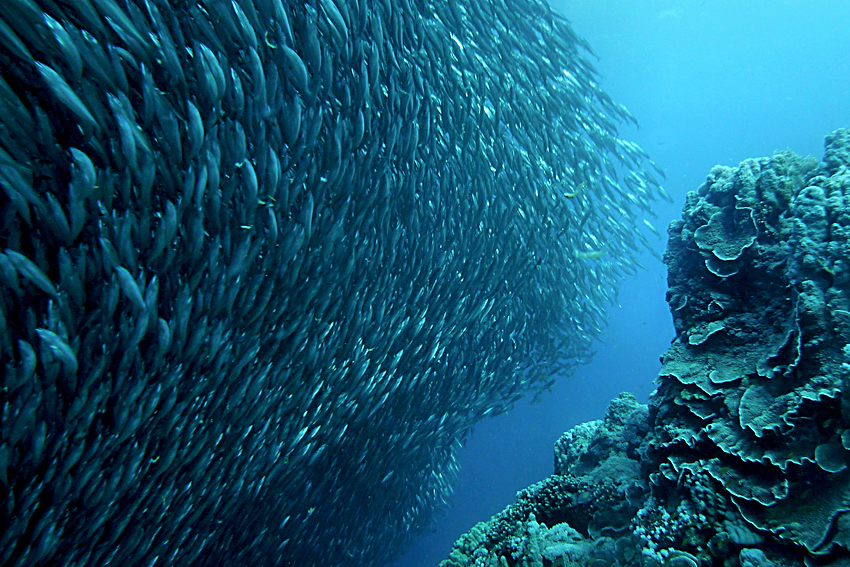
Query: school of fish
[[264, 264]]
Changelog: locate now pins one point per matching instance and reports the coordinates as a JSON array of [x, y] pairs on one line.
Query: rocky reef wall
[[741, 457]]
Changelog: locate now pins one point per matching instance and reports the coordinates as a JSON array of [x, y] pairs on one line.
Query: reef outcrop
[[741, 457]]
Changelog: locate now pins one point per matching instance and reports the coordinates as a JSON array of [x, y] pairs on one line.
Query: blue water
[[711, 82]]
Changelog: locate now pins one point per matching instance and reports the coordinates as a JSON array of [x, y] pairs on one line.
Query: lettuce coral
[[741, 457]]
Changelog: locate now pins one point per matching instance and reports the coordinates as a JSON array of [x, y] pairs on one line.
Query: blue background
[[711, 82]]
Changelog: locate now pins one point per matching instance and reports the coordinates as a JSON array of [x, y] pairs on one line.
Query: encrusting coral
[[741, 457]]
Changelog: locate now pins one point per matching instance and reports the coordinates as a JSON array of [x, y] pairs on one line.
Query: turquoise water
[[265, 263], [710, 82]]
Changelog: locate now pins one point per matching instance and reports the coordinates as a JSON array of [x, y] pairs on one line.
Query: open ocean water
[[710, 82], [265, 263]]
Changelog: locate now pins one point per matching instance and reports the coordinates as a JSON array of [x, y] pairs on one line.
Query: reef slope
[[741, 457]]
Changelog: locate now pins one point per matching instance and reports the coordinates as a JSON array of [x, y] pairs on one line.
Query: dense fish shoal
[[264, 264]]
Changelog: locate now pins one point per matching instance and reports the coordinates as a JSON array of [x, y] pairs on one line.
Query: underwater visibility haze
[[713, 82], [265, 264]]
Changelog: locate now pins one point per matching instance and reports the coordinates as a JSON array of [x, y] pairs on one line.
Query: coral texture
[[742, 457]]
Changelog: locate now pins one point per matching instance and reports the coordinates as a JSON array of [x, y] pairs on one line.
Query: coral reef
[[741, 457]]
